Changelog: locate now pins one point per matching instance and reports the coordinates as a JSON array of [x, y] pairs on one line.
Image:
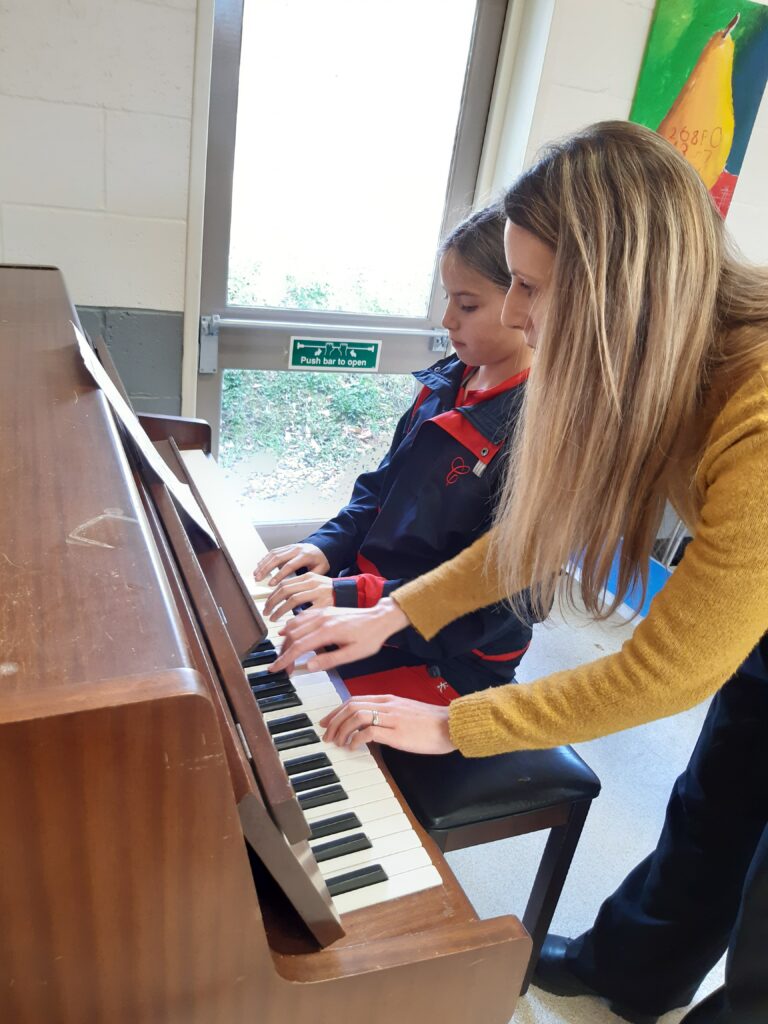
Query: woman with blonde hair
[[649, 384]]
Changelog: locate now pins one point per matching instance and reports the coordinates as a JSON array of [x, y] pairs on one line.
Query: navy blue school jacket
[[432, 495]]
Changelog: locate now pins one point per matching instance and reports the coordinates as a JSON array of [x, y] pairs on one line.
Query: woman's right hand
[[290, 558], [355, 633]]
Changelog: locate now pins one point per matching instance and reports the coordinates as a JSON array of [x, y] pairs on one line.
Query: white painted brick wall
[[147, 164], [95, 114], [107, 259]]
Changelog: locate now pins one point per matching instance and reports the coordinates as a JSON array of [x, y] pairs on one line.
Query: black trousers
[[704, 889]]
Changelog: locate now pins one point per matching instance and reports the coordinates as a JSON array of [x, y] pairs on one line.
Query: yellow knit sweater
[[700, 627]]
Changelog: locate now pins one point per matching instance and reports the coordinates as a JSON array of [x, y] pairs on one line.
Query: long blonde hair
[[651, 323]]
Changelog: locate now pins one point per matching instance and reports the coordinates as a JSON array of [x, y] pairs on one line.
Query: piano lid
[[82, 596]]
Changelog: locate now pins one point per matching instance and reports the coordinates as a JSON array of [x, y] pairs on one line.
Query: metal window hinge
[[208, 361], [439, 343]]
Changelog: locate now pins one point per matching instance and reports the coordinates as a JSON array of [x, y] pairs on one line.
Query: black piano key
[[356, 879], [306, 763], [314, 779], [296, 739], [258, 658], [289, 723], [331, 826], [256, 678], [341, 847], [321, 797], [279, 702], [259, 648], [272, 690]]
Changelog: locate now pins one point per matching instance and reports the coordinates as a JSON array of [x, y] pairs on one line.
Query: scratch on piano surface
[[8, 668], [197, 763], [76, 535], [15, 565]]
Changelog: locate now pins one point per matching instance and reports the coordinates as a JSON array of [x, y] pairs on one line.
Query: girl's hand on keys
[[289, 558], [394, 721], [309, 588], [355, 632]]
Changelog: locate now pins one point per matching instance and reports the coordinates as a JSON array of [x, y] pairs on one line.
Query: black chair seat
[[450, 791]]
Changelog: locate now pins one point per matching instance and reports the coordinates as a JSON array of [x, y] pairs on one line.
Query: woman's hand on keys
[[354, 632], [395, 721]]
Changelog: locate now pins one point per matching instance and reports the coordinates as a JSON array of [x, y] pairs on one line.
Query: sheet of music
[[180, 491]]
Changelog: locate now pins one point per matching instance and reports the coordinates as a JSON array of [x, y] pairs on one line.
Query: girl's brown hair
[[650, 323], [479, 240]]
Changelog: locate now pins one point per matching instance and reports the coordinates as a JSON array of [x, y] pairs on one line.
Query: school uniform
[[433, 494]]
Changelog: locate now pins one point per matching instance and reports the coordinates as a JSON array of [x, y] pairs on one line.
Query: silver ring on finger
[[374, 717]]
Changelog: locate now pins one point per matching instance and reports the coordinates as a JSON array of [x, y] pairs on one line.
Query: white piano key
[[378, 853], [373, 811], [366, 795], [346, 767], [402, 863], [310, 693], [335, 754], [353, 782], [318, 697], [314, 714], [393, 888], [313, 678], [299, 680], [389, 825]]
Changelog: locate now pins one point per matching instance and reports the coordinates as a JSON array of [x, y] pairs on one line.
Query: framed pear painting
[[701, 83]]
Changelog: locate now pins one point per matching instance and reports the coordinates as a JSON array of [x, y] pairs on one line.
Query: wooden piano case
[[126, 889]]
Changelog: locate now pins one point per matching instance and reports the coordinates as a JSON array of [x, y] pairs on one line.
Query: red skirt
[[412, 681]]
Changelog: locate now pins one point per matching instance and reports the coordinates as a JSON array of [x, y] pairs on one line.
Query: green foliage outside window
[[321, 420]]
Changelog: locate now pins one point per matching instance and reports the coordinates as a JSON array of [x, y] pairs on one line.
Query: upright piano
[[177, 846]]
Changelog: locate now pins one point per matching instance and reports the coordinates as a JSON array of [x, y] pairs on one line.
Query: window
[[344, 140]]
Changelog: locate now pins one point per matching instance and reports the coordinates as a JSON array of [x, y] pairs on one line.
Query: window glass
[[347, 114], [295, 442]]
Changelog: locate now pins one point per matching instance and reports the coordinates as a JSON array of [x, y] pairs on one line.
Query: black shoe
[[553, 974]]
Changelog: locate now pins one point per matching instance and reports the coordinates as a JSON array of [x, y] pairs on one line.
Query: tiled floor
[[637, 768]]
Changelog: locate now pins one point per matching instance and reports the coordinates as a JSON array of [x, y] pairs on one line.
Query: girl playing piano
[[433, 494]]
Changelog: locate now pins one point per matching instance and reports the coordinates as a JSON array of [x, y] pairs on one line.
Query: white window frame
[[237, 337]]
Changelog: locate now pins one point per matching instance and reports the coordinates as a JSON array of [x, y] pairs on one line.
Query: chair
[[465, 802]]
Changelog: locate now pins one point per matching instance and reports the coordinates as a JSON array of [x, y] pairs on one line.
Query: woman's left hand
[[309, 588], [399, 722]]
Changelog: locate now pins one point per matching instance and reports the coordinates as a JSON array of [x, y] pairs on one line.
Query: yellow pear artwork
[[700, 122]]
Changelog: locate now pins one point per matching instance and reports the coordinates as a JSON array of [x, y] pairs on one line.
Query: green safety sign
[[334, 354]]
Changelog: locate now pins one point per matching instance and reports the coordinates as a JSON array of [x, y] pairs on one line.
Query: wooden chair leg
[[549, 880]]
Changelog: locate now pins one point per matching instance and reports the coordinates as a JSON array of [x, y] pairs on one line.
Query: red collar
[[473, 397]]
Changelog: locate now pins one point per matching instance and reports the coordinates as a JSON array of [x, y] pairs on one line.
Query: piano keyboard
[[365, 846]]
